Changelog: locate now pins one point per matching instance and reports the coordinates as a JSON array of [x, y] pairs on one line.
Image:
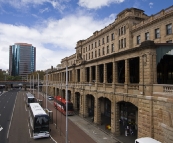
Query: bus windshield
[[41, 124], [31, 100]]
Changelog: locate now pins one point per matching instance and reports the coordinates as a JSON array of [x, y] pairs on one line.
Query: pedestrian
[[125, 132], [127, 129]]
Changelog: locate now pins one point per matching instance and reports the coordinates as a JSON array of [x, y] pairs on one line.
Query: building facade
[[22, 59], [124, 74]]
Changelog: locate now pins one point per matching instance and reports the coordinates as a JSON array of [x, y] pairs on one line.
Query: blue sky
[[55, 26]]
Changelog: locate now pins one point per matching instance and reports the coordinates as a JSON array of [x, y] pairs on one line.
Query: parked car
[[50, 98]]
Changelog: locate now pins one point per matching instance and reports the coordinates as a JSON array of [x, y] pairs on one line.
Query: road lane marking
[[25, 108], [11, 118], [29, 131], [1, 128], [53, 139]]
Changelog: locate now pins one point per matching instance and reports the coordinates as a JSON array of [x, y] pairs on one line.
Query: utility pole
[[38, 86]]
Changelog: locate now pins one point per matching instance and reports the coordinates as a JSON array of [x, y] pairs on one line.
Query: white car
[[50, 98]]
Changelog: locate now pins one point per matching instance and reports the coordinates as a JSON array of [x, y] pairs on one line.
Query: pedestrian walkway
[[93, 131]]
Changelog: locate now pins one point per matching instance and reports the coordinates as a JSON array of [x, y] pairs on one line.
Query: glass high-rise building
[[22, 59]]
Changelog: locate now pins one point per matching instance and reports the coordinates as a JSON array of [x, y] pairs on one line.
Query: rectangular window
[[121, 30], [112, 36], [96, 54], [89, 47], [124, 29], [84, 50], [112, 47], [86, 56], [169, 29], [121, 43], [103, 41], [107, 39], [89, 55], [99, 52], [147, 36], [103, 51], [99, 42], [108, 49], [157, 33], [95, 44], [138, 39], [92, 56], [124, 42], [92, 46]]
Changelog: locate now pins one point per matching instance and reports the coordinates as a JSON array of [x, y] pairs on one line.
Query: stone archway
[[128, 119], [90, 104], [77, 102]]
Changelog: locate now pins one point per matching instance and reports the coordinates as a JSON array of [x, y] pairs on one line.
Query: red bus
[[60, 104]]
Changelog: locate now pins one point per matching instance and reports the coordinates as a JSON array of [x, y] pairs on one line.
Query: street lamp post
[[30, 83], [66, 104], [38, 87], [46, 91], [33, 84]]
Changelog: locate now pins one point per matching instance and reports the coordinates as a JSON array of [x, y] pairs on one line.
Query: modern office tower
[[22, 59]]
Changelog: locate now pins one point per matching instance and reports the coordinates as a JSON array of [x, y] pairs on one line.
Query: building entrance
[[128, 119]]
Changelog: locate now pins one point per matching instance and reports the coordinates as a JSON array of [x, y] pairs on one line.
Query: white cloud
[[151, 5], [53, 39], [25, 4], [95, 4], [44, 10]]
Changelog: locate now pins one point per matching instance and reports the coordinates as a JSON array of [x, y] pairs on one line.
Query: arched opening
[[105, 105], [69, 95], [77, 102], [57, 91], [63, 93], [90, 105], [128, 119]]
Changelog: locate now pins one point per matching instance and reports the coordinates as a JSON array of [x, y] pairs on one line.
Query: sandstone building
[[124, 72]]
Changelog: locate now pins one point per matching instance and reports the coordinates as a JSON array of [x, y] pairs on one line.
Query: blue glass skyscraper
[[22, 59]]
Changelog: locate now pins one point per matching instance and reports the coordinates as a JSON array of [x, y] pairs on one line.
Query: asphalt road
[[7, 101], [75, 134], [20, 130]]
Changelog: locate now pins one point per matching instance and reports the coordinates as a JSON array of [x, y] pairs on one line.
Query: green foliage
[[41, 75]]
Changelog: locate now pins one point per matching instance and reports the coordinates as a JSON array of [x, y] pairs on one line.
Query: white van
[[146, 140]]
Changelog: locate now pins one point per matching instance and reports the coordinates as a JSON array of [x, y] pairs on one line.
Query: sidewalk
[[93, 131]]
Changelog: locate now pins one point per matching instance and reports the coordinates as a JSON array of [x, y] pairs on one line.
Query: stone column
[[114, 75], [127, 76], [90, 74], [81, 105], [141, 75], [116, 121], [105, 73], [148, 61], [97, 76], [97, 111]]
